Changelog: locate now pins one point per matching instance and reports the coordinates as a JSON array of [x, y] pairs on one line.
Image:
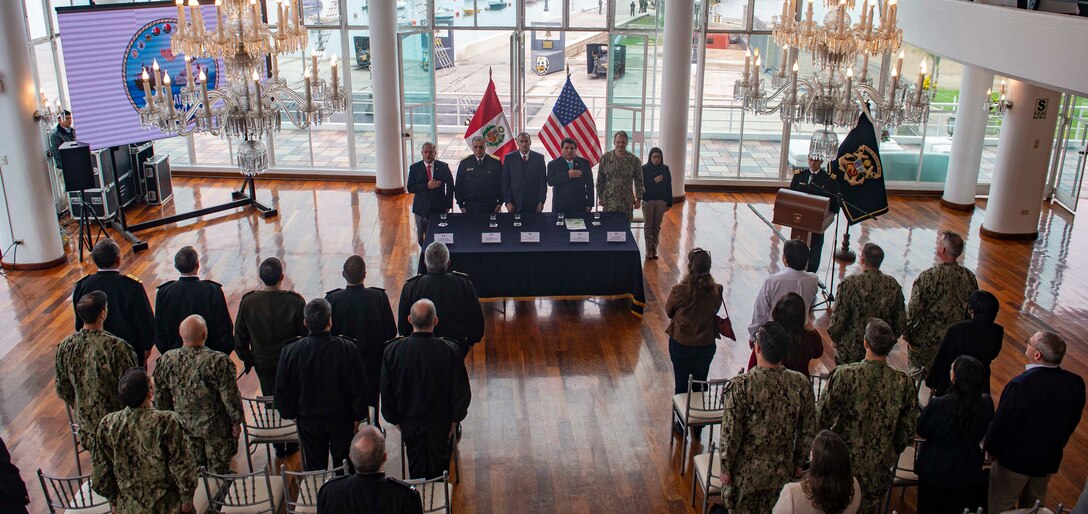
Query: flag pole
[[489, 73]]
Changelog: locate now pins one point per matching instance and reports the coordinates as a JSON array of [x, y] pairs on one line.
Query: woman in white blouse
[[829, 487]]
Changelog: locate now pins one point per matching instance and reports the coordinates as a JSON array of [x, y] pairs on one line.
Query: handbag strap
[[722, 296]]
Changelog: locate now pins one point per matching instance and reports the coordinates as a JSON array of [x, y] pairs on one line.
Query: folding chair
[[264, 426], [306, 484], [71, 495], [435, 493], [699, 407], [904, 474], [242, 493], [819, 385], [74, 427], [708, 467]]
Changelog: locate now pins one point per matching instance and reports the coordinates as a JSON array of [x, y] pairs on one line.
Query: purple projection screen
[[106, 50]]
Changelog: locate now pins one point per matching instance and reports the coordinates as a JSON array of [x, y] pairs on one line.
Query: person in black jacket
[[814, 181], [364, 315], [524, 178], [949, 462], [478, 186], [452, 292], [425, 391], [1039, 410], [978, 337], [656, 199], [368, 489], [130, 316], [432, 184], [188, 295], [320, 384], [13, 495], [571, 178]]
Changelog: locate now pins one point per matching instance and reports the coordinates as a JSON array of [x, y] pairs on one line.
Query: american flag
[[570, 118]]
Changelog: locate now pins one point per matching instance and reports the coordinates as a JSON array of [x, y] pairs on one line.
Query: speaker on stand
[[75, 160]]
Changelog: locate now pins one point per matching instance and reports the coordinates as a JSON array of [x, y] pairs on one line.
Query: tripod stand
[[86, 213]]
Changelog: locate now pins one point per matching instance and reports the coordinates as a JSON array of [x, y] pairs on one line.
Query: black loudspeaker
[[75, 161]]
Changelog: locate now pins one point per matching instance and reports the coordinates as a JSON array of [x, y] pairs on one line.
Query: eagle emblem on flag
[[494, 136], [860, 165]]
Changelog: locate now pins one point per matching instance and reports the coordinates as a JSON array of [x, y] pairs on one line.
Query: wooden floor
[[570, 398]]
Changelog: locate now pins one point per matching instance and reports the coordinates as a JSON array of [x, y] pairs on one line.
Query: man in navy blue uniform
[[188, 295], [524, 182], [571, 177], [130, 316], [479, 181], [432, 184]]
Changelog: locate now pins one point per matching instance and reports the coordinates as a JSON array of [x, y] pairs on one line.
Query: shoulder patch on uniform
[[334, 291], [376, 289], [797, 171], [133, 277], [164, 284], [413, 278], [458, 273], [493, 156]]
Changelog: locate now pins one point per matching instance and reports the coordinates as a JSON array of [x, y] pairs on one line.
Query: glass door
[[628, 55], [415, 50], [517, 81], [1069, 154]]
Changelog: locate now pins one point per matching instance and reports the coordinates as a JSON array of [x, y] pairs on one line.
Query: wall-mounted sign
[[1040, 108]]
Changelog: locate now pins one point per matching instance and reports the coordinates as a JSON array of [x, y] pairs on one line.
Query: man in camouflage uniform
[[869, 294], [88, 365], [198, 384], [768, 423], [143, 465], [874, 407], [938, 300]]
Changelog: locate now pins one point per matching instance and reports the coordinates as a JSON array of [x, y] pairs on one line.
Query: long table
[[555, 267]]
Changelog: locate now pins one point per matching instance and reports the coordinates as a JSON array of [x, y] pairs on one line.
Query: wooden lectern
[[804, 213]]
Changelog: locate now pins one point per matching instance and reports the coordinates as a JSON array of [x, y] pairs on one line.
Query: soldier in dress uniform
[[768, 422], [143, 465], [452, 293], [199, 385], [814, 181], [188, 295], [864, 295], [938, 300], [364, 315], [130, 315], [91, 391], [874, 407], [478, 187], [368, 489]]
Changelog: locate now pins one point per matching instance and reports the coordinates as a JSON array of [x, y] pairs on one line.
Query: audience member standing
[[321, 383], [938, 300], [874, 408], [524, 178], [793, 279], [199, 385], [478, 188], [130, 316], [656, 198], [1039, 410], [829, 486], [949, 462], [767, 426], [864, 295], [89, 364], [805, 343], [364, 315], [691, 307], [619, 179], [143, 464], [61, 134], [451, 292], [368, 489], [571, 178], [425, 392], [13, 494], [268, 317], [188, 295], [431, 184], [978, 337]]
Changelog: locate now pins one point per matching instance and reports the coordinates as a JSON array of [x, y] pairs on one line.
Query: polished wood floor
[[570, 398]]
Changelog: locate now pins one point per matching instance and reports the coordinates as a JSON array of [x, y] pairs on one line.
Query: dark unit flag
[[859, 175]]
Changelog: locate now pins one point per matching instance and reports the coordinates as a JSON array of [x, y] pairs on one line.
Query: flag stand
[[844, 253]]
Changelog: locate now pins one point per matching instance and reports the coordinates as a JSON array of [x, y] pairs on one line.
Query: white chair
[[71, 495], [306, 484], [708, 467], [435, 493], [1037, 509], [699, 407], [74, 427], [264, 427], [243, 493], [904, 473]]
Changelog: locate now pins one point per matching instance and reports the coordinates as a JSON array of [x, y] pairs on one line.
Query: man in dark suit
[[368, 489], [814, 181], [479, 181], [572, 179], [432, 184], [188, 295], [1039, 411], [524, 186], [364, 315], [450, 291], [130, 316], [13, 495]]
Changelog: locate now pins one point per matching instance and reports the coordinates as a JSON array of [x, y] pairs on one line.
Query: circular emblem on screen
[[150, 44]]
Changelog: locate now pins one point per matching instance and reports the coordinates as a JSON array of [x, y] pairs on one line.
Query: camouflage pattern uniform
[[614, 178], [89, 364], [938, 300], [874, 407], [199, 385], [768, 425], [143, 465], [869, 294]]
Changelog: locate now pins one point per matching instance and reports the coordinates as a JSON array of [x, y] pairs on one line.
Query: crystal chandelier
[[253, 99], [831, 95]]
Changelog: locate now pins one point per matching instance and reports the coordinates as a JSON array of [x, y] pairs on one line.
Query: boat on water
[[443, 15], [495, 5], [468, 11]]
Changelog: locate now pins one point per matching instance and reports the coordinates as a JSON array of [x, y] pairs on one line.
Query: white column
[[385, 67], [1023, 158], [967, 140], [676, 89], [27, 213]]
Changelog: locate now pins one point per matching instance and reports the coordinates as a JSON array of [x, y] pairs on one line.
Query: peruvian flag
[[490, 123]]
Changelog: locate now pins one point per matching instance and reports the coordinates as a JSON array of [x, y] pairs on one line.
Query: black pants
[[479, 208], [689, 360], [429, 448], [815, 252], [323, 436], [939, 500]]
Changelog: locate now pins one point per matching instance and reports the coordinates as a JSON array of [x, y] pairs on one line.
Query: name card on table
[[530, 237], [446, 238], [492, 237], [617, 237], [579, 237]]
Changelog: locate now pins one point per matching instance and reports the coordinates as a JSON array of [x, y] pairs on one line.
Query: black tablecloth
[[554, 267]]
